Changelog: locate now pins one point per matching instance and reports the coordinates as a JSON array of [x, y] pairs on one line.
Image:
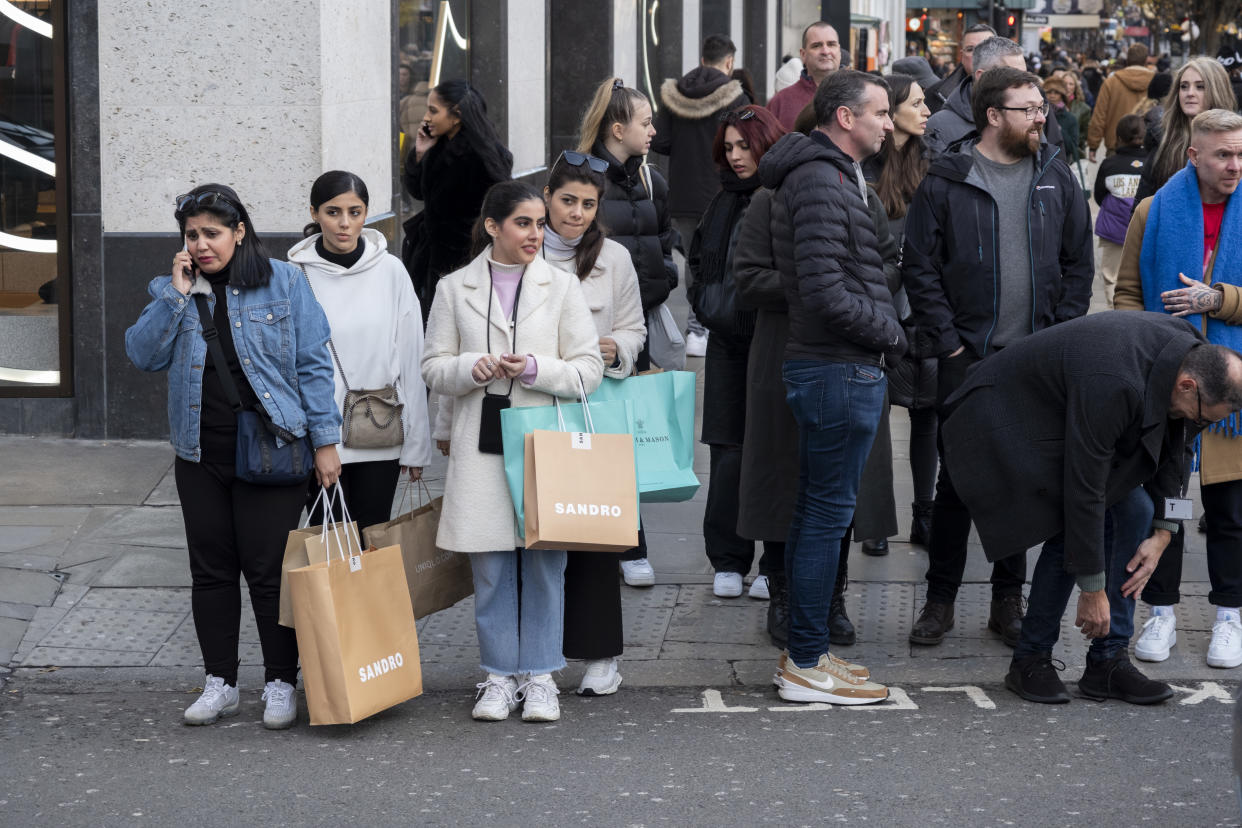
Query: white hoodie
[[377, 329]]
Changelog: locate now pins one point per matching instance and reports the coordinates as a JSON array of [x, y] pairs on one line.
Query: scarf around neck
[[716, 228]]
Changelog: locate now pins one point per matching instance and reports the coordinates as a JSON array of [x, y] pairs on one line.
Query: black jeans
[[728, 551], [234, 528], [1222, 507], [368, 488], [592, 606], [946, 551], [924, 454]]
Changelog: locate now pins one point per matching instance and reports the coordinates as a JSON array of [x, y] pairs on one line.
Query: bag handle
[[587, 421], [330, 521], [322, 492]]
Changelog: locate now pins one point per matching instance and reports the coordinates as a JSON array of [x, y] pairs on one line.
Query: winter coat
[[1116, 184], [948, 129], [685, 129], [1068, 123], [790, 101], [1122, 91], [937, 95], [840, 307], [377, 333], [950, 261], [638, 220], [554, 324], [1154, 121]]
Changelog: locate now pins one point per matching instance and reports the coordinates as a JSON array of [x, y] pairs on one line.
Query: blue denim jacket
[[280, 333]]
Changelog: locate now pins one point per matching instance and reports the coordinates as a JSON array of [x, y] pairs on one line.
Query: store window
[[34, 283]]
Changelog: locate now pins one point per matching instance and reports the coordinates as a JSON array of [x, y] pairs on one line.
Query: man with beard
[[998, 246]]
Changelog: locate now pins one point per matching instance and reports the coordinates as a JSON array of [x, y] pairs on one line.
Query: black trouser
[[368, 489], [728, 551], [1222, 509], [234, 528], [946, 550], [592, 606], [924, 456]]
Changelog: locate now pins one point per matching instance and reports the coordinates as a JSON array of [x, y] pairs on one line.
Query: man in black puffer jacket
[[841, 328]]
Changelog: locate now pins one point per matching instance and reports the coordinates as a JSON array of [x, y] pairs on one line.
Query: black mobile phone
[[425, 129]]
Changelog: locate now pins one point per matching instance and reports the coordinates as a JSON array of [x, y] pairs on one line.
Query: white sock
[[1228, 614], [1156, 610]]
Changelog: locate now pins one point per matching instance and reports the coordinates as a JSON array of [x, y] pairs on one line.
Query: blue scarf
[[1173, 243]]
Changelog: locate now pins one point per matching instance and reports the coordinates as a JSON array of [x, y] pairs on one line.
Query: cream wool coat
[[554, 324]]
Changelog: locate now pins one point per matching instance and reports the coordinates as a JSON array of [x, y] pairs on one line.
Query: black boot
[[840, 628], [920, 525], [778, 611], [875, 548], [1035, 679], [1118, 678]]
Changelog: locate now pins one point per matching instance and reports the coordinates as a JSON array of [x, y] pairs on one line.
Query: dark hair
[[592, 242], [902, 170], [330, 185], [499, 203], [250, 266], [613, 103], [1130, 130], [469, 105], [816, 25], [760, 131], [980, 27], [717, 47], [743, 76], [1159, 86], [1209, 365], [990, 89], [844, 87]]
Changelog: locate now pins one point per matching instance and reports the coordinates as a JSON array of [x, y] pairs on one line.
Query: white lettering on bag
[[378, 668], [588, 509]]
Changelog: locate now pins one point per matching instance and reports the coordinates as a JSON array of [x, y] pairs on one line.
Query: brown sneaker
[[827, 682], [857, 669], [934, 621]]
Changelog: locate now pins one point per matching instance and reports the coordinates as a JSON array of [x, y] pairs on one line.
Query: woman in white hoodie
[[377, 336]]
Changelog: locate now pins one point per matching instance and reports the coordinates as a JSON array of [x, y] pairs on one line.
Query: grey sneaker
[[282, 705], [218, 699]]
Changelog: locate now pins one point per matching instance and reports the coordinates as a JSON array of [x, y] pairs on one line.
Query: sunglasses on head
[[204, 200], [618, 84], [577, 159], [735, 115]]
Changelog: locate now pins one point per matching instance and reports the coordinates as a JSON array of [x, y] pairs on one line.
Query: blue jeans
[[519, 633], [1126, 525], [837, 406]]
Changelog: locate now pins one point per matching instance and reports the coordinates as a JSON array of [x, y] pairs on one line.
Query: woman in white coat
[[573, 241], [507, 325], [377, 337]]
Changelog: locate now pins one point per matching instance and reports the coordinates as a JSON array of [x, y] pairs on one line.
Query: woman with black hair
[[457, 156], [574, 242], [377, 340], [272, 335]]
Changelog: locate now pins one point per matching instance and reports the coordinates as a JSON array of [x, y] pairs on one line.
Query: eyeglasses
[[1030, 111], [735, 115], [207, 199], [1199, 421], [577, 159]]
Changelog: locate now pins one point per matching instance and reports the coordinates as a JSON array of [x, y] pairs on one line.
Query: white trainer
[[217, 700], [727, 585], [282, 706], [638, 573], [759, 588], [1158, 637], [601, 678], [539, 699], [1226, 647], [696, 345], [497, 698]]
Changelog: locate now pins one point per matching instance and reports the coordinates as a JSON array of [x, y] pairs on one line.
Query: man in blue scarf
[[1183, 255]]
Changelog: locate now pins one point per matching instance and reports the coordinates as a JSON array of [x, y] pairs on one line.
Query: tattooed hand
[[1196, 297]]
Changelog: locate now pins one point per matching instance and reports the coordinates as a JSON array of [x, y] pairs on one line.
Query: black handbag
[[490, 441], [259, 457], [912, 378]]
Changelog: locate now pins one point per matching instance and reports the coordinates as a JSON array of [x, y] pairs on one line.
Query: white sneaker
[[539, 699], [638, 573], [696, 345], [727, 585], [1226, 647], [497, 698], [1158, 637], [282, 706], [601, 678], [218, 700], [828, 681], [759, 588]]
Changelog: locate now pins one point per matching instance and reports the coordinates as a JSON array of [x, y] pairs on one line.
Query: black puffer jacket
[[639, 222], [840, 308]]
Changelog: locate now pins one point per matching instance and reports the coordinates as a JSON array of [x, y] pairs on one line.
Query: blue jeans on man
[[837, 406]]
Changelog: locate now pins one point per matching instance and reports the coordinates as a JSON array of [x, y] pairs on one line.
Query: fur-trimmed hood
[[699, 94]]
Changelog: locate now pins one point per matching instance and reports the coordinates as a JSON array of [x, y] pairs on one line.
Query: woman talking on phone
[[267, 357]]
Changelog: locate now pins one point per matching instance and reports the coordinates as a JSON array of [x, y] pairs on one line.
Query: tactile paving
[[147, 599], [78, 657], [106, 629]]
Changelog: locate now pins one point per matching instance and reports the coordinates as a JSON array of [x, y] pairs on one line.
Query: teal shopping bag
[[663, 410], [612, 417]]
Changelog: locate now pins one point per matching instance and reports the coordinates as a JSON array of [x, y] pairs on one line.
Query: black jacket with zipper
[[951, 256]]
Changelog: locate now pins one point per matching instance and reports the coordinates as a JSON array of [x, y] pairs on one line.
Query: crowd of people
[[860, 241]]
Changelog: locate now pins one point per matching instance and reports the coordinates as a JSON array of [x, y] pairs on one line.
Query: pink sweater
[[505, 281]]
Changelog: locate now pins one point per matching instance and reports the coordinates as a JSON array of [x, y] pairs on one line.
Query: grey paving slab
[[165, 492], [11, 632], [80, 472], [677, 518], [113, 629], [678, 557], [685, 650], [69, 516], [45, 559], [149, 566], [449, 653], [140, 599], [85, 657], [677, 673], [660, 595], [142, 526], [453, 626], [17, 538], [717, 624], [23, 586], [25, 612], [44, 620]]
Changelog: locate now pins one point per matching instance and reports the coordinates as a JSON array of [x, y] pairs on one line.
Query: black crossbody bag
[[490, 441], [258, 459]]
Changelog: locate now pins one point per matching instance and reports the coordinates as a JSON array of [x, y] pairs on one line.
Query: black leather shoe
[[840, 629], [1006, 618], [1035, 679], [875, 548], [920, 525], [1117, 678], [778, 611], [934, 621]]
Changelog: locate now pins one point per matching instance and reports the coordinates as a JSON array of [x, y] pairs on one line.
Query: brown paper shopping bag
[[437, 578], [298, 554], [581, 492], [356, 635]]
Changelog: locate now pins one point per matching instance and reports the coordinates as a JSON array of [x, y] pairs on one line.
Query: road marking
[[1207, 690], [975, 694], [713, 703], [898, 699]]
